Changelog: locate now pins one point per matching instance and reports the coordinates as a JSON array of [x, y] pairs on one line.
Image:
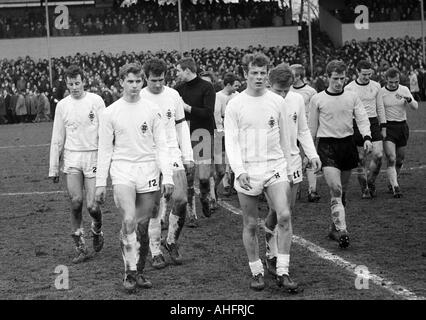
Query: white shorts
[[76, 162], [296, 169], [262, 176], [144, 177]]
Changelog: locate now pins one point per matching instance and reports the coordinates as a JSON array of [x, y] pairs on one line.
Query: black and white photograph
[[213, 158]]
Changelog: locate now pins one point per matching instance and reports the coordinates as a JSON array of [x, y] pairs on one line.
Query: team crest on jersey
[[271, 122], [91, 115], [169, 114], [144, 127], [294, 117]]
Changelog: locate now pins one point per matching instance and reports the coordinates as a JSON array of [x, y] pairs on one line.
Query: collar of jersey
[[361, 84], [302, 86], [390, 89], [334, 94]]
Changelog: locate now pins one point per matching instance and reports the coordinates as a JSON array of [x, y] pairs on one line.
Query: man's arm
[[182, 132], [232, 145], [313, 117], [285, 137], [57, 142], [304, 135], [105, 148], [361, 118]]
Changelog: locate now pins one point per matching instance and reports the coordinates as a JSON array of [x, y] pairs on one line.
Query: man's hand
[[316, 164], [55, 179], [368, 146], [100, 195], [384, 133], [244, 181], [167, 190], [187, 107]]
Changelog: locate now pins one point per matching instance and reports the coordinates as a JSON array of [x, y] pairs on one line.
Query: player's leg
[[154, 234], [338, 230], [74, 180], [226, 181], [204, 176], [95, 213], [125, 199], [400, 156], [177, 216], [375, 165], [390, 151], [280, 194], [250, 216], [190, 209], [271, 239], [362, 173], [146, 206]]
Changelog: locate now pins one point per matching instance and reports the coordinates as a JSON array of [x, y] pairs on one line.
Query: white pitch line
[[26, 146], [322, 253], [418, 131]]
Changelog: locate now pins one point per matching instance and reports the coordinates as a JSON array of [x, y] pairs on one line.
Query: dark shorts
[[397, 132], [338, 153], [376, 133]]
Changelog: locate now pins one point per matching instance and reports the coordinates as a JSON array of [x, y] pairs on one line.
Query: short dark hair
[[73, 71], [134, 68], [337, 66], [281, 75], [254, 59], [229, 78], [155, 66], [188, 63], [392, 73], [363, 64]]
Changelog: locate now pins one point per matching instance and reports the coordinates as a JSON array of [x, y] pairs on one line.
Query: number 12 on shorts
[[152, 183]]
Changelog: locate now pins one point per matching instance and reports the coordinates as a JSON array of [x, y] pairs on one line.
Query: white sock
[[225, 180], [391, 171], [130, 251], [154, 233], [283, 262], [212, 183], [338, 213], [312, 179], [162, 209], [173, 226], [256, 267]]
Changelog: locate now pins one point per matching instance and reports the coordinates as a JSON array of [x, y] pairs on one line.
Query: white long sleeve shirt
[[307, 93], [256, 131], [128, 131], [171, 105], [220, 108], [370, 97], [298, 125], [395, 106], [75, 127], [331, 115]]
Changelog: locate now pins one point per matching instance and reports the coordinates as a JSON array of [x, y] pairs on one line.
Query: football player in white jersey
[[75, 139], [179, 142], [258, 148], [368, 91], [307, 93], [128, 131], [396, 98], [331, 114], [280, 79]]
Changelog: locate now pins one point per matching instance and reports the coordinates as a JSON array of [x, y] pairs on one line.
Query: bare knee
[[251, 227], [76, 203], [336, 190], [129, 225], [284, 219], [391, 160]]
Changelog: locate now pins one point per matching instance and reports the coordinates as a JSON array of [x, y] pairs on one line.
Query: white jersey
[[128, 132], [307, 93], [395, 106], [298, 125], [370, 97], [255, 131], [171, 105], [331, 115], [220, 107], [75, 127]]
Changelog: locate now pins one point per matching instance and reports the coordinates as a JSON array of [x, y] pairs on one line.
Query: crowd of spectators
[[384, 10], [30, 78], [149, 16]]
